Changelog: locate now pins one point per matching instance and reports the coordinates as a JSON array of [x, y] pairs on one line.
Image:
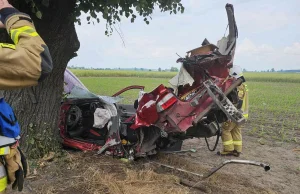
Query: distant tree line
[[273, 70], [172, 69]]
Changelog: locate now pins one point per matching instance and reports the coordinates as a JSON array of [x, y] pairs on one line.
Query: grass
[[90, 174], [273, 77], [251, 76], [274, 110], [274, 97], [119, 73], [110, 85]]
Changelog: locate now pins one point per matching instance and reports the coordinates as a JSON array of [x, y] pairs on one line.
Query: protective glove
[[16, 166]]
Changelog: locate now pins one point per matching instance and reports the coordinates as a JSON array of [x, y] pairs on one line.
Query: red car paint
[[68, 142], [179, 116], [73, 143]]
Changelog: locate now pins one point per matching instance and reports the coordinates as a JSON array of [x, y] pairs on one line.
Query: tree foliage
[[174, 69], [113, 10]]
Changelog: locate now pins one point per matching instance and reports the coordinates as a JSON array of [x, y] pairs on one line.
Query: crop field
[[274, 97], [259, 77], [116, 73]]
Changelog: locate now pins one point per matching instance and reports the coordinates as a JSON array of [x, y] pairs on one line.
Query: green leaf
[[147, 22], [105, 12], [30, 125], [182, 9], [38, 14], [93, 14], [132, 20]]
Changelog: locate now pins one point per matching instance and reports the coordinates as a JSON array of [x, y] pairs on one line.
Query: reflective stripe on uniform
[[239, 143], [5, 45], [4, 150], [225, 143], [245, 98], [15, 33], [3, 178], [3, 183]]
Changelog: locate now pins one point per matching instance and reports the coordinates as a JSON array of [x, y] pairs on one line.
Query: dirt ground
[[86, 173]]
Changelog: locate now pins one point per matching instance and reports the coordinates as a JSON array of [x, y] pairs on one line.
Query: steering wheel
[[73, 116]]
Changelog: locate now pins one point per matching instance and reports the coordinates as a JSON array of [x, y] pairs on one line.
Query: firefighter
[[231, 132], [22, 64]]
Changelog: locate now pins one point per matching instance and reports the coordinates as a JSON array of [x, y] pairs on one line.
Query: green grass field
[[116, 73], [274, 97], [259, 77]]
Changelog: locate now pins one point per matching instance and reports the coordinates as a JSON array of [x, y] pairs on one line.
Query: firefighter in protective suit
[[231, 132], [22, 64]]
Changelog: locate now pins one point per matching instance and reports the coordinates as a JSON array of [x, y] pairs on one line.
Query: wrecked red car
[[199, 97]]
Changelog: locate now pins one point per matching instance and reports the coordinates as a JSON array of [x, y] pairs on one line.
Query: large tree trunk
[[39, 121]]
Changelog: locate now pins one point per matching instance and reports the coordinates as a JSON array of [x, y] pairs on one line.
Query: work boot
[[225, 153], [236, 153]]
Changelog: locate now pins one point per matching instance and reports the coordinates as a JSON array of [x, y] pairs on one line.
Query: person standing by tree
[[22, 64]]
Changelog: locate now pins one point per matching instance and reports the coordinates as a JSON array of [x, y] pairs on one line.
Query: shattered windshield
[[74, 88]]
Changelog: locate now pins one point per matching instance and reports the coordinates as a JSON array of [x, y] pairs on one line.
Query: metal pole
[[215, 169]]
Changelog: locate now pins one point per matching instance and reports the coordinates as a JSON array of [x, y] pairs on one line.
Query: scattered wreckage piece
[[210, 172], [215, 169]]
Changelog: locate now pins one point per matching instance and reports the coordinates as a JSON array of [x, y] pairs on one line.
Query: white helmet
[[236, 71]]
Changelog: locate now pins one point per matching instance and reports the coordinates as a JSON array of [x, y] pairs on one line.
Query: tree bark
[[39, 121]]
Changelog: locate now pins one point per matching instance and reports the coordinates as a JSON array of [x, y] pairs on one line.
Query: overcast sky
[[269, 33]]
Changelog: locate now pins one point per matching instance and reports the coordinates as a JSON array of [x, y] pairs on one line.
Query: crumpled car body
[[201, 82], [200, 97], [79, 119]]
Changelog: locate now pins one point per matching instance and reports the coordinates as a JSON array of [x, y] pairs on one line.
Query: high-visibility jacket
[[28, 60], [243, 93], [3, 179], [22, 64]]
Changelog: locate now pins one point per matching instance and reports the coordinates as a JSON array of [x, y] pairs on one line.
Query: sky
[[269, 36]]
